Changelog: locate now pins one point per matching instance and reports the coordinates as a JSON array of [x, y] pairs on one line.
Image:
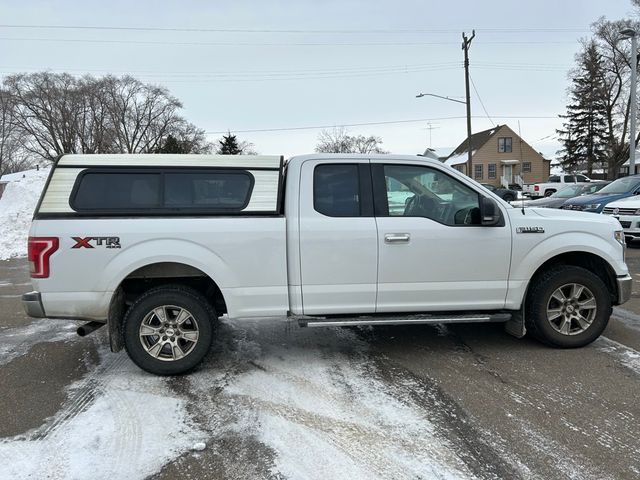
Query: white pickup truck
[[552, 185], [158, 246]]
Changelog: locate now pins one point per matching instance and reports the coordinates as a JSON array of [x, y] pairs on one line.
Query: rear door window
[[336, 190]]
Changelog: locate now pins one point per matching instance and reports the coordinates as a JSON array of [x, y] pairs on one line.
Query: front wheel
[[567, 307], [168, 330]]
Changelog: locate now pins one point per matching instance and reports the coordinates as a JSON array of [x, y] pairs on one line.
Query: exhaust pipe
[[87, 328]]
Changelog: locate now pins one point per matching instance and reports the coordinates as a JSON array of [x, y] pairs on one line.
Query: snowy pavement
[[276, 401]]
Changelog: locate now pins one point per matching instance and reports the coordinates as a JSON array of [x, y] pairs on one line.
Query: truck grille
[[621, 211]]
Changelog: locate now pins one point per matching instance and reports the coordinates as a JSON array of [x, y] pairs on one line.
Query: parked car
[[506, 194], [157, 247], [627, 212], [552, 185], [559, 198], [616, 190]]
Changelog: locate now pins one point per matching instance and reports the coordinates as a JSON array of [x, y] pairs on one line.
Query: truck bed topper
[[258, 179]]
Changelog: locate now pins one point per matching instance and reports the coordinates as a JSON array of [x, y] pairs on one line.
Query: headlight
[[592, 206], [619, 236]]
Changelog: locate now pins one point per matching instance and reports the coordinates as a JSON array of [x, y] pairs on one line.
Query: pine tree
[[228, 145], [583, 135], [173, 145]]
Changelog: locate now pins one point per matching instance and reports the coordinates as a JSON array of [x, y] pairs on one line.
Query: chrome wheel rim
[[571, 309], [169, 333]]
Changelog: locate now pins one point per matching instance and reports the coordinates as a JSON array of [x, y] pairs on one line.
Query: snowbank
[[16, 209]]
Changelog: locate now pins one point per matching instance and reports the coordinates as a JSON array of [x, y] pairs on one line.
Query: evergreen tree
[[228, 145], [173, 145], [584, 131]]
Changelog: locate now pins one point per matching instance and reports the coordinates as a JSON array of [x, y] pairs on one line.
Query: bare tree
[[60, 113], [617, 62], [141, 115], [13, 156], [45, 111], [338, 140]]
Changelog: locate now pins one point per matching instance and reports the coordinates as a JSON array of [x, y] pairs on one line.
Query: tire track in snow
[[315, 401], [101, 429]]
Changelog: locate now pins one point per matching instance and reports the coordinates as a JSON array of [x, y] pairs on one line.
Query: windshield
[[622, 185], [568, 192]]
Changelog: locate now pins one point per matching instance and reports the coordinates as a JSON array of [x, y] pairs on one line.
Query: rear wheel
[[508, 197], [567, 307], [548, 193], [169, 330]]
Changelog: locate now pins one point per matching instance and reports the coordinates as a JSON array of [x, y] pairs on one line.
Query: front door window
[[414, 191]]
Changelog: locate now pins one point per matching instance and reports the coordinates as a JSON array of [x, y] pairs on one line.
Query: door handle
[[397, 238]]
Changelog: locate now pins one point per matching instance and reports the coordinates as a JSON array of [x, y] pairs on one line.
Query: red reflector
[[38, 252], [536, 188]]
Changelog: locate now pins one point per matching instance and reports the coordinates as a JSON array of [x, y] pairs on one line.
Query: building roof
[[477, 141]]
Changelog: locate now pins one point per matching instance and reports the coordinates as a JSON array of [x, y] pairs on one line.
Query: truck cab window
[[336, 190], [414, 191]]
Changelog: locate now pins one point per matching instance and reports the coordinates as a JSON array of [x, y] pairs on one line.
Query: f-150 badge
[[85, 242], [530, 230]]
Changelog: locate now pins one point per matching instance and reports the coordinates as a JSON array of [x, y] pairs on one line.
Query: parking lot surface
[[274, 400]]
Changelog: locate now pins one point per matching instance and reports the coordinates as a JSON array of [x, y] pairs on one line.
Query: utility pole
[[466, 43], [633, 100], [634, 104]]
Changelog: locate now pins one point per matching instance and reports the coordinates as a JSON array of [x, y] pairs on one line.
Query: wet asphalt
[[504, 408]]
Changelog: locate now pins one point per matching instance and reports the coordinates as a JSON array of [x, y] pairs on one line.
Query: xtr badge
[[86, 242]]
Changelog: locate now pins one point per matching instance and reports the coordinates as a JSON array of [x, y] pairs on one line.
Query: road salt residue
[[118, 422], [19, 340], [628, 357]]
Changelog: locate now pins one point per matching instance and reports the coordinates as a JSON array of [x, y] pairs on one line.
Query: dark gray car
[[506, 194], [557, 199]]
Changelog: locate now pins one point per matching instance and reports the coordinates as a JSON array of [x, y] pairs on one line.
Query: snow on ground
[[323, 410], [16, 209], [118, 422]]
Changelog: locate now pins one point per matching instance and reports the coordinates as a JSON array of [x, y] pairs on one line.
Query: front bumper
[[32, 304], [625, 287]]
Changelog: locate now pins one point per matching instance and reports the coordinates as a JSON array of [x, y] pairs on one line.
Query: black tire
[[508, 197], [198, 323], [548, 193], [539, 301]]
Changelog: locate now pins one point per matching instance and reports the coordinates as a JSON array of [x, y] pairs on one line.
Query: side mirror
[[489, 212]]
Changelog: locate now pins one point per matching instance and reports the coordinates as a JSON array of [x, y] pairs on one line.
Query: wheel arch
[[587, 260], [136, 281]]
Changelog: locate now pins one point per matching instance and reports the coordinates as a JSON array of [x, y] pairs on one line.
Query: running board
[[403, 320]]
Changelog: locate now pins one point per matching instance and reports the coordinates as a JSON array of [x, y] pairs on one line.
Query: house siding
[[521, 151]]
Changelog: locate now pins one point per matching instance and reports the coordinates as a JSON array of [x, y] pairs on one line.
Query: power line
[[253, 77], [481, 102], [390, 122], [272, 44], [337, 69], [288, 31]]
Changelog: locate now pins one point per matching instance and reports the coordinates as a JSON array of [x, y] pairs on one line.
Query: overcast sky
[[292, 64]]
